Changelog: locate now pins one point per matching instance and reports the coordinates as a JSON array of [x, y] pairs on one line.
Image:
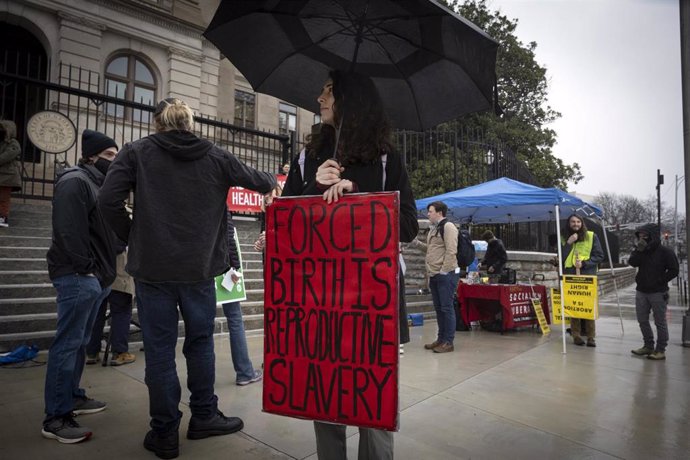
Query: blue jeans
[[442, 292], [655, 303], [78, 299], [238, 342], [157, 305], [120, 316]]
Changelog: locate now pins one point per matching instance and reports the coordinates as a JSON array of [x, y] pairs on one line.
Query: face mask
[[641, 244], [102, 165]]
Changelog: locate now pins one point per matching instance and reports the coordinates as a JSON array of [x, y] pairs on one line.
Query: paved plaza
[[513, 396]]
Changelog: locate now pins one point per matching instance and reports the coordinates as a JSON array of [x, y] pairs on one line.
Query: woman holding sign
[[583, 254], [364, 161]]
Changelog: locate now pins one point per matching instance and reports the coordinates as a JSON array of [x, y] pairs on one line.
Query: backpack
[[465, 253]]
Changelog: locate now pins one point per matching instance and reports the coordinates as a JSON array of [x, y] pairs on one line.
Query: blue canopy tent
[[509, 201]]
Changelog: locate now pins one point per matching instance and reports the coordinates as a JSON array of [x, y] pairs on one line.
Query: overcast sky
[[614, 72]]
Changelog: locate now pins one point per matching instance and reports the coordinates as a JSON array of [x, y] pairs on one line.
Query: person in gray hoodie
[[177, 243], [657, 265]]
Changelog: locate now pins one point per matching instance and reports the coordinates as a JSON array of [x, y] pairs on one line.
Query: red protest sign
[[331, 309], [242, 200]]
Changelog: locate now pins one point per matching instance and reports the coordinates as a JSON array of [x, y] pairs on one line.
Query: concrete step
[[23, 252], [24, 241], [23, 263], [27, 306], [24, 276], [28, 290], [18, 230]]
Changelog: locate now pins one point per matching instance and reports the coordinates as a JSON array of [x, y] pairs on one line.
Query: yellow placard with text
[[539, 311], [580, 297], [557, 317]]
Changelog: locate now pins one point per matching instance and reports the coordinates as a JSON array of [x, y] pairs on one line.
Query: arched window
[[129, 77]]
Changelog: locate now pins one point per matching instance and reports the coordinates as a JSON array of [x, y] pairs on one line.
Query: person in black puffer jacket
[[657, 265]]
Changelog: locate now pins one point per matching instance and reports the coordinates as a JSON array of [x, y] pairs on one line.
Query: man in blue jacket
[[657, 265]]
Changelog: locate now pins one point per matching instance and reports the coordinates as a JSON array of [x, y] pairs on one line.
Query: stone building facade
[[139, 50]]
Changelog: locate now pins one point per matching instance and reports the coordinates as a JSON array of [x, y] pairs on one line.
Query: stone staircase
[[27, 298]]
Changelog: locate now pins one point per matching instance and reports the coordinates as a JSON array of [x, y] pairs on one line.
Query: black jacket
[[82, 242], [496, 256], [180, 183], [368, 179], [657, 264]]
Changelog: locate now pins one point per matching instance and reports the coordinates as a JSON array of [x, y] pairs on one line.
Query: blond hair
[[173, 114]]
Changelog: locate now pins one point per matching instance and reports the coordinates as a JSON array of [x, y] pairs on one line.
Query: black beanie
[[93, 143]]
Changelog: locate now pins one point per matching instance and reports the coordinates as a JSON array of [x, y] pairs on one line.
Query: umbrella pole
[[337, 138], [560, 274]]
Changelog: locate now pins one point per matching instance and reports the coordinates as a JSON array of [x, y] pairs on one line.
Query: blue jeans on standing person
[[238, 342], [656, 303], [442, 292], [157, 304], [78, 300], [120, 317]]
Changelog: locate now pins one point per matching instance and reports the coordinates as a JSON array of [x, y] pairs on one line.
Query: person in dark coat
[[495, 257], [177, 244], [81, 265], [352, 102], [10, 177], [656, 266]]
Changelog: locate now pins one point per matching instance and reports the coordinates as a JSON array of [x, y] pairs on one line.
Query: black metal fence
[[77, 96], [438, 161]]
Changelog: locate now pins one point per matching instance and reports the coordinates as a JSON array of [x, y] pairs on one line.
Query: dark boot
[[217, 425], [163, 445]]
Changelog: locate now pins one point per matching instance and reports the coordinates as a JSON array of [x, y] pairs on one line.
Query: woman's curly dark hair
[[366, 131]]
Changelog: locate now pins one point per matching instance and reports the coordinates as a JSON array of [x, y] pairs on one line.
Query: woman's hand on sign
[[337, 190], [329, 173]]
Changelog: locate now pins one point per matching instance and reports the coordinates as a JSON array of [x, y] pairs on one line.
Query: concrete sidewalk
[[497, 396]]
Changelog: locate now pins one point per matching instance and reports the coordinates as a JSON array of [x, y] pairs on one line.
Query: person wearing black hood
[[657, 265], [81, 265], [177, 243]]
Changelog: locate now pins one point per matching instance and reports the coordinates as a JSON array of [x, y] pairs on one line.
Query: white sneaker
[[402, 349]]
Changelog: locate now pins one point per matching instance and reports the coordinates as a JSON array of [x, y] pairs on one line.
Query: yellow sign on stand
[[556, 308], [543, 325], [581, 296]]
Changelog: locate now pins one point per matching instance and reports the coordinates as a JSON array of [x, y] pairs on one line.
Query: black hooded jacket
[[657, 264], [82, 243], [179, 229]]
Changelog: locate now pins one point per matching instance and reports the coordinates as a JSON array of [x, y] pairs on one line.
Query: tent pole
[[560, 274], [613, 275]]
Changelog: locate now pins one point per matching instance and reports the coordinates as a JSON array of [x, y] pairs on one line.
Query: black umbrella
[[429, 64]]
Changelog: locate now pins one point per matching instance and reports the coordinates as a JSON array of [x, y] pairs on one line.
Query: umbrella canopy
[[428, 64], [506, 201]]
